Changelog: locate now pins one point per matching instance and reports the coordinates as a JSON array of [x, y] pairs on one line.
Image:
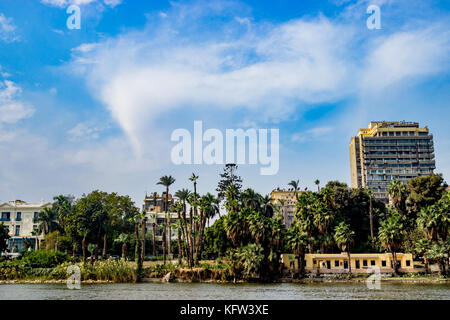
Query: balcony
[[4, 219]]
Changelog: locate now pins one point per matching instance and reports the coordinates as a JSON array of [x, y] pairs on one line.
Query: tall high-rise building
[[389, 150]]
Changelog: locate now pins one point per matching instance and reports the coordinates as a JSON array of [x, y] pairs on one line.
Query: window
[[383, 263], [17, 231], [336, 263], [19, 216], [364, 263], [372, 262], [408, 263], [35, 227], [35, 216], [5, 216], [314, 261]]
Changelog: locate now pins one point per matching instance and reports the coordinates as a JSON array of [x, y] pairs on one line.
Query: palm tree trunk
[[349, 263], [143, 239], [124, 251], [394, 261], [371, 217], [191, 239], [83, 247], [164, 245], [180, 250], [427, 267], [154, 239], [104, 246], [168, 222]]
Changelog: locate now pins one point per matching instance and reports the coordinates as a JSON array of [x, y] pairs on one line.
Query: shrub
[[44, 258]]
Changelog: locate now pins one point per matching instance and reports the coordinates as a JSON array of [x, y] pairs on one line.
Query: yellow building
[[360, 262], [390, 150]]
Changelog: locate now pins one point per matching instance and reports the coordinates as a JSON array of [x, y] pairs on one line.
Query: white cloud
[[7, 29], [311, 134], [409, 54], [270, 70], [83, 131], [66, 3], [11, 108]]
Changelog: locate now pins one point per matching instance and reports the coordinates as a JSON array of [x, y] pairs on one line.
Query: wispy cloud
[[7, 29], [65, 3], [272, 70], [311, 134], [12, 109]]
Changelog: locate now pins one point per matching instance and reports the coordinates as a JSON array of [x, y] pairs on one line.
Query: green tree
[[47, 220], [123, 238], [317, 183], [422, 247], [344, 238], [297, 240], [228, 178], [438, 253], [4, 236], [295, 184], [424, 192], [167, 181], [92, 248], [398, 194], [391, 235]]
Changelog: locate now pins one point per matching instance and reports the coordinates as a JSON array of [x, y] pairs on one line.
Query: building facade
[[286, 200], [390, 150], [156, 203], [20, 218], [154, 207], [359, 262]]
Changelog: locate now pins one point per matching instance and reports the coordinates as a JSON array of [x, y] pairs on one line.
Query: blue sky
[[94, 108]]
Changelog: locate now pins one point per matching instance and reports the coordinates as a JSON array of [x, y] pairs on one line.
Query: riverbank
[[412, 280]]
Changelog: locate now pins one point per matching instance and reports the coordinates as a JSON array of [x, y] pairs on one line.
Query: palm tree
[[267, 207], [154, 216], [92, 248], [143, 231], [343, 236], [370, 195], [183, 195], [390, 235], [123, 238], [164, 239], [47, 221], [422, 247], [398, 193], [35, 233], [295, 184], [298, 241], [167, 181], [317, 182], [83, 233]]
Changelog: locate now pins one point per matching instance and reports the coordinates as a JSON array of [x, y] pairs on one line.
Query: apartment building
[[286, 200], [20, 218], [389, 150], [154, 206]]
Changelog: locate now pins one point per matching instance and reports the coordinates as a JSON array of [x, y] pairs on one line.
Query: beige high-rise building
[[389, 150]]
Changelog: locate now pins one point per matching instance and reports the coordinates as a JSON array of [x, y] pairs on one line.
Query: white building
[[20, 218]]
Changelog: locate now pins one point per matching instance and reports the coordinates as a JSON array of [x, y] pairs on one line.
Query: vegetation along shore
[[106, 235]]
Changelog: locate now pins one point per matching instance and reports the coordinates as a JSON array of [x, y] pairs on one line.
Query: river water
[[209, 291]]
